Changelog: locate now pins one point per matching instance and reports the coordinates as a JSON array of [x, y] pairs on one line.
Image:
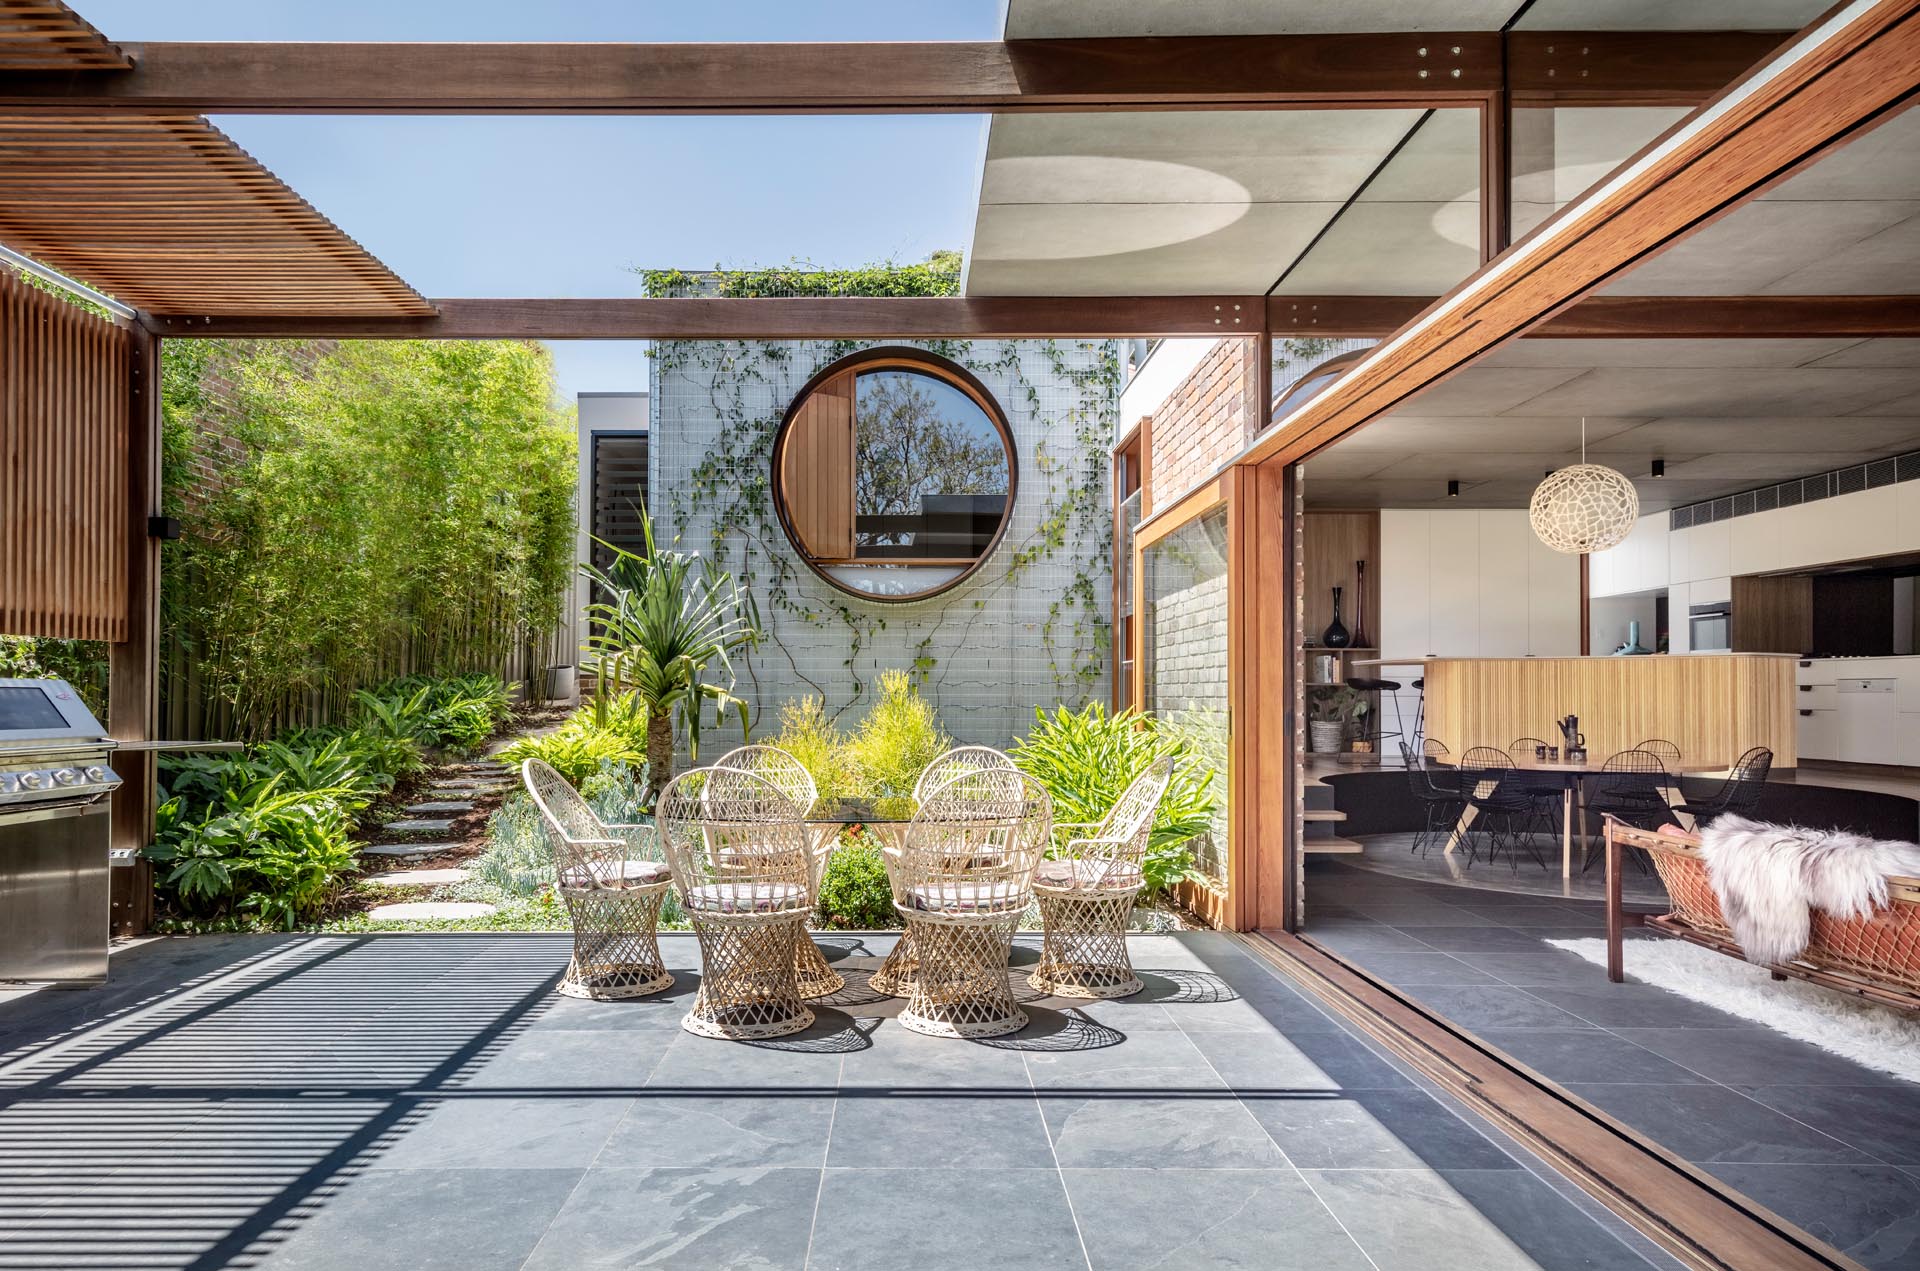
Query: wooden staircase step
[[1324, 814], [1331, 845]]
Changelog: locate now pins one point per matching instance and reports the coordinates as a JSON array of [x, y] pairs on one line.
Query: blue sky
[[498, 206]]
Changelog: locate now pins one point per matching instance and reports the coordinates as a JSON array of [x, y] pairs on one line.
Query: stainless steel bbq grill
[[54, 835]]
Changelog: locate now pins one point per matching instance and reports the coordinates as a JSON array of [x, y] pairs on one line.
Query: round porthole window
[[894, 474]]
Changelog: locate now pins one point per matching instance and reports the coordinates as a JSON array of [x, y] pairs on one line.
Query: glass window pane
[[930, 469], [1184, 647]]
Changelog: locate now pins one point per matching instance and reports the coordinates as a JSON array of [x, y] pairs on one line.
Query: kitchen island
[[1713, 706]]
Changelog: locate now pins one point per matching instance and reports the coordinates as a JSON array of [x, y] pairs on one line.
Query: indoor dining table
[[1571, 775]]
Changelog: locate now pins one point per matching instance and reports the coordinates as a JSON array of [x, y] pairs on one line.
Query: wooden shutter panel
[[817, 471]]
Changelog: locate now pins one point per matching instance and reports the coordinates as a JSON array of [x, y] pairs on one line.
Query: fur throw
[[1767, 876]]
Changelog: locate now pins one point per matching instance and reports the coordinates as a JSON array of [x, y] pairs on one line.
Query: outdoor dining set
[[738, 843]]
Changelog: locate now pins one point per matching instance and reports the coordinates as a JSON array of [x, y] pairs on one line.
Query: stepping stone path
[[419, 825], [407, 850], [420, 877], [429, 911], [442, 805]]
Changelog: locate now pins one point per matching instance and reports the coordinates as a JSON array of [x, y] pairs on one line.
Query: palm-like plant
[[669, 621]]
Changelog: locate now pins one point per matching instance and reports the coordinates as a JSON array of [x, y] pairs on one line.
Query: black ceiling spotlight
[[1659, 467], [1453, 489]]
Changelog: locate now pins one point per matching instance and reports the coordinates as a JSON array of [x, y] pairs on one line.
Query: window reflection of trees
[[918, 437]]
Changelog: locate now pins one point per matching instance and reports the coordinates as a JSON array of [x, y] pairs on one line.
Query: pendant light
[[1585, 507]]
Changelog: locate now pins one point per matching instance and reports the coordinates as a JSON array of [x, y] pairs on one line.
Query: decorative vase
[[1360, 640], [1326, 736], [1336, 635]]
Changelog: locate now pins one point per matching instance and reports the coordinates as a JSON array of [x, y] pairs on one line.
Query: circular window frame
[[908, 358]]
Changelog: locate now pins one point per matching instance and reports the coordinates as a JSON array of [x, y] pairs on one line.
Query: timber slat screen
[[619, 494], [45, 35], [167, 214], [63, 450]]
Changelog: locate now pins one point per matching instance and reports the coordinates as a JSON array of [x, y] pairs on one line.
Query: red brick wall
[[1201, 424]]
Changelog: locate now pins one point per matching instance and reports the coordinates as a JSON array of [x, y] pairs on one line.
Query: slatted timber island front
[[1713, 706]]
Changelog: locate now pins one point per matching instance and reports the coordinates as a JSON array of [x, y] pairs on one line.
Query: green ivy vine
[[730, 487]]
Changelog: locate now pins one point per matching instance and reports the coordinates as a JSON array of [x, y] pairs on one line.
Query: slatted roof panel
[[167, 214], [45, 35]]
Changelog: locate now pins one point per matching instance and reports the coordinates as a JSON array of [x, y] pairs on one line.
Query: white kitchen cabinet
[[1818, 736], [1814, 671], [1406, 582], [1710, 552], [1453, 573], [1502, 622], [1755, 548], [1866, 721], [1553, 601], [1474, 583]]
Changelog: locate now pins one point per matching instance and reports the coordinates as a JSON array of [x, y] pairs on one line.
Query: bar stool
[[1366, 684]]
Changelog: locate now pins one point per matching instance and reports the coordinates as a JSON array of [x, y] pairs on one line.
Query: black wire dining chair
[[1501, 802], [1438, 795], [1631, 787], [1738, 794], [1668, 752]]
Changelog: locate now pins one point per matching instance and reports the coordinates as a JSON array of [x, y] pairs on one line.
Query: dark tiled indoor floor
[[1826, 1143], [429, 1101]]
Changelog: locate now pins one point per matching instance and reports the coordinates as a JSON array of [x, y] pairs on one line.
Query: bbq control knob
[[9, 782], [66, 776], [30, 781], [96, 774]]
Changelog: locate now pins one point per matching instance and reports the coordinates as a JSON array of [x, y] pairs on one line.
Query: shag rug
[[1871, 1036]]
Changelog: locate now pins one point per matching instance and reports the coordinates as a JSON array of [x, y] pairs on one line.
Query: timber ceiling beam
[[1852, 69], [1307, 71], [1120, 317]]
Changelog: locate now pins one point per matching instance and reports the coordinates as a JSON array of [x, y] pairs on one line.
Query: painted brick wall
[[1201, 424], [983, 647]]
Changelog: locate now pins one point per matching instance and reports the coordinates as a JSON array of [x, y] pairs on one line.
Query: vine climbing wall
[[1030, 628]]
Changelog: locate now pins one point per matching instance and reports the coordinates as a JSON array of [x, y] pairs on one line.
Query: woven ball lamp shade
[[1584, 508]]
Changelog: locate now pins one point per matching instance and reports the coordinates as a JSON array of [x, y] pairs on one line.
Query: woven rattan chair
[[961, 878], [1087, 890], [613, 884], [739, 852], [817, 978], [949, 764], [895, 976]]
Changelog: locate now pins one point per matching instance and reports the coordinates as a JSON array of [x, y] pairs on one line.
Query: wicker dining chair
[[817, 978], [739, 852], [1086, 892], [895, 976], [612, 882], [961, 877], [950, 763]]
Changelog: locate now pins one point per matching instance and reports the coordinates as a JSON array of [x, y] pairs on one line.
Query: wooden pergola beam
[[1227, 72], [1010, 317]]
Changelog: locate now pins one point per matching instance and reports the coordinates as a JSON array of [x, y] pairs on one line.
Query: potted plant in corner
[[1332, 711]]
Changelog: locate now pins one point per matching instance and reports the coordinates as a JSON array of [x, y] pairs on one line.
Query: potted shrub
[[1332, 713]]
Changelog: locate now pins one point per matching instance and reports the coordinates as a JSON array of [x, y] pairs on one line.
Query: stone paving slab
[[429, 911], [421, 877], [407, 849], [441, 805], [419, 825]]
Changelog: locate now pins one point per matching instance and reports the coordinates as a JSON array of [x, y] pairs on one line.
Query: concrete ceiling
[[1726, 415], [1042, 19], [1055, 19], [1173, 202], [1849, 225]]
